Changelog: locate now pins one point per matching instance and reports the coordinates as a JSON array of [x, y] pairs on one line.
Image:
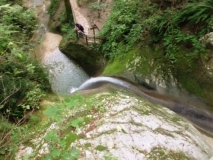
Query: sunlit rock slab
[[130, 128], [135, 129]]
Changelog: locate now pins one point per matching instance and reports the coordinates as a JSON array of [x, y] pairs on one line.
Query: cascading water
[[98, 81], [201, 119], [64, 75]]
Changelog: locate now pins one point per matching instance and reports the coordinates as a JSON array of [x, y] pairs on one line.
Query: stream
[[66, 76]]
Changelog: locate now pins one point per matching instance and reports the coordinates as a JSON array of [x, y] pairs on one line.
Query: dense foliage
[[22, 79], [53, 7], [171, 29], [172, 24]]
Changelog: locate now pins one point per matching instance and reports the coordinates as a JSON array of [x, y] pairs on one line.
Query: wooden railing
[[88, 39]]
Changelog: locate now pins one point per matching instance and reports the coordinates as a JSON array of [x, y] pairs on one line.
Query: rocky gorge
[[111, 122]]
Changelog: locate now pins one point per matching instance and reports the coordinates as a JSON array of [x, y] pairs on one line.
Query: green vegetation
[[11, 137], [62, 135], [160, 153], [176, 119], [23, 82], [108, 156], [142, 36], [61, 132], [87, 57], [166, 36], [54, 4], [97, 7], [101, 148], [132, 22], [60, 146]]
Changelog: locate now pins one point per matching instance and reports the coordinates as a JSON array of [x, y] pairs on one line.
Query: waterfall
[[201, 119], [64, 75], [98, 81]]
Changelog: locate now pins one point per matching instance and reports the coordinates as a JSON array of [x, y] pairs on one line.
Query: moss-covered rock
[[89, 59], [148, 66]]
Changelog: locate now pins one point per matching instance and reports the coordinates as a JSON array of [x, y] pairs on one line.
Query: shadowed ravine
[[202, 120], [66, 76]]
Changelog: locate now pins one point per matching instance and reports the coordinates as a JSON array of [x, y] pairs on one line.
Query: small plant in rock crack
[[108, 156], [60, 139], [59, 146]]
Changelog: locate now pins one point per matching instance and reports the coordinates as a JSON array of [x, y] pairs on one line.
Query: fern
[[196, 12]]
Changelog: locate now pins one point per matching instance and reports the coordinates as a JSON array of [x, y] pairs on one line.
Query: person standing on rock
[[79, 27]]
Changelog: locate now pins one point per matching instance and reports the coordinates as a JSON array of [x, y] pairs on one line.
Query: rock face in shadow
[[91, 61], [126, 127]]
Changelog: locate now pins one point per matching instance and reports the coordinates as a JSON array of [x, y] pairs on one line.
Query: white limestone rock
[[132, 129], [207, 39], [137, 130]]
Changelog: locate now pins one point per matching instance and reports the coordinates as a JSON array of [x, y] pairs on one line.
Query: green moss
[[175, 119], [87, 145], [196, 84], [90, 60], [160, 153], [108, 132], [135, 123], [142, 110], [164, 132], [123, 131], [101, 148], [150, 60], [120, 64], [109, 156], [187, 69], [34, 119], [53, 7], [138, 60], [115, 67]]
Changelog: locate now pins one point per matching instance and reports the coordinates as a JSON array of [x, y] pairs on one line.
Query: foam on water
[[64, 75], [96, 80]]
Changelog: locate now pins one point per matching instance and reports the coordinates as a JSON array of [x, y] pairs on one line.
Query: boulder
[[126, 127]]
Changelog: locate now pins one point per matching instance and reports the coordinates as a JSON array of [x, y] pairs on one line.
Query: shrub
[[53, 7], [22, 80]]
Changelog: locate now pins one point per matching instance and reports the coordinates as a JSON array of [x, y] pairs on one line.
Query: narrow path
[[79, 17], [87, 16]]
